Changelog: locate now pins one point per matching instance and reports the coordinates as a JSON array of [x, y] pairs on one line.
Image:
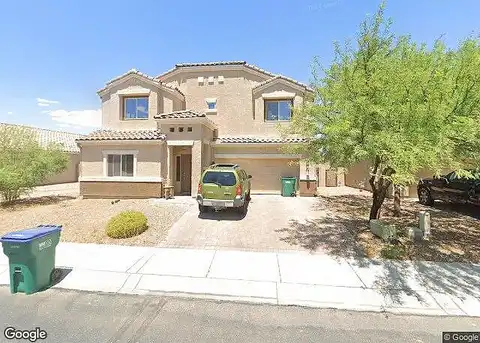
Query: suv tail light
[[199, 190], [239, 190]]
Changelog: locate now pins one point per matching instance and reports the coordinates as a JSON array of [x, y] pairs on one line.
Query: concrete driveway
[[260, 229]]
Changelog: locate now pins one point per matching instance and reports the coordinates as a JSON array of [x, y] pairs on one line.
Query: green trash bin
[[289, 186], [31, 256]]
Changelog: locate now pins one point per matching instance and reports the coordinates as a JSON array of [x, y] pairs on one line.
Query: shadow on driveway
[[229, 214], [458, 209]]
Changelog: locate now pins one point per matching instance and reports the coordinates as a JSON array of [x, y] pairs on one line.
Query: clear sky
[[55, 54]]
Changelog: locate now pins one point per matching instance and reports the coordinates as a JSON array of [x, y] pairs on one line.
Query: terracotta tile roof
[[136, 72], [277, 77], [258, 140], [46, 137], [180, 115], [205, 64], [112, 135]]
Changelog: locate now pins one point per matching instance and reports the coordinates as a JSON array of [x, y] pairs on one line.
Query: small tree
[[396, 104], [24, 163]]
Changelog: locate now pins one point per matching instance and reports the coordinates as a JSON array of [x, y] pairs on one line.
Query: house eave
[[169, 74], [254, 145], [292, 84], [119, 142], [175, 92]]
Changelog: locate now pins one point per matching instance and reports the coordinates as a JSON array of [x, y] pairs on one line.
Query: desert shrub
[[24, 162], [127, 224]]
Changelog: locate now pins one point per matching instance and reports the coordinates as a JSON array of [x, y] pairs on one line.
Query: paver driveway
[[260, 229]]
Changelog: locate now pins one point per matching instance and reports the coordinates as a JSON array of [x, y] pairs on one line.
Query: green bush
[[24, 162], [127, 224]]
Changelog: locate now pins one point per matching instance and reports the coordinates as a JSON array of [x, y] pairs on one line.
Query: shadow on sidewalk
[[59, 274], [337, 233]]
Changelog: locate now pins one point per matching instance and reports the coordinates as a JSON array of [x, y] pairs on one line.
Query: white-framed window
[[135, 107], [278, 110], [120, 163]]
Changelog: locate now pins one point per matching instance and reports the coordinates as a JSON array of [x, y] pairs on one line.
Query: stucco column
[[169, 165], [322, 169], [196, 165]]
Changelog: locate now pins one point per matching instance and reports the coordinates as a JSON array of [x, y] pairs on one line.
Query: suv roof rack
[[225, 165]]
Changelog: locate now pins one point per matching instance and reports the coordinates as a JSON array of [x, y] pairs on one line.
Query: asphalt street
[[71, 317]]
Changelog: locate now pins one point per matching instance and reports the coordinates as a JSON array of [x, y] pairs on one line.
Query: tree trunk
[[396, 201], [379, 184], [379, 196]]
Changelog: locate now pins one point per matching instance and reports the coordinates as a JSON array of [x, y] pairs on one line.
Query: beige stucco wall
[[68, 175], [199, 131], [159, 101], [149, 159], [358, 175], [120, 190], [197, 151], [236, 105]]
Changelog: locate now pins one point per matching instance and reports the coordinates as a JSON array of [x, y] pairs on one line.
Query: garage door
[[266, 173]]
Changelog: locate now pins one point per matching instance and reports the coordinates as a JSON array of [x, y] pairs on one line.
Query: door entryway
[[185, 174]]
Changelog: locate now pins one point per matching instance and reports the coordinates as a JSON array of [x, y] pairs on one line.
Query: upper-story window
[[278, 110], [212, 104], [135, 107]]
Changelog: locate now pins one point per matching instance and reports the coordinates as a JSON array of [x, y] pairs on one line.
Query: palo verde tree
[[24, 163], [396, 104]]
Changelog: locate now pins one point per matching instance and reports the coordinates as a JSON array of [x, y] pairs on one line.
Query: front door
[[186, 173]]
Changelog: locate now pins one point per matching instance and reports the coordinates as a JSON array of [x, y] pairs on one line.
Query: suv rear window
[[218, 177]]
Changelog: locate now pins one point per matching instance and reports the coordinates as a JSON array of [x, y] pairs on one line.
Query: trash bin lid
[[28, 235]]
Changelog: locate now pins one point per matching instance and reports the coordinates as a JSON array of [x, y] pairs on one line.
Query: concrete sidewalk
[[286, 278]]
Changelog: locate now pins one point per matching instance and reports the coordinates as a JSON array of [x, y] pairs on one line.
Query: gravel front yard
[[84, 221], [455, 229], [343, 231]]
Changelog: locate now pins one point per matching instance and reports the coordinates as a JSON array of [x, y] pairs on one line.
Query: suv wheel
[[424, 197]]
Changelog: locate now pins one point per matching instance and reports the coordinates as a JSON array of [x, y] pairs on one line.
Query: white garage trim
[[258, 156]]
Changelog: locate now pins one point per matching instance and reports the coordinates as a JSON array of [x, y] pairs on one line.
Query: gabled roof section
[[145, 77], [215, 64], [185, 114], [46, 137], [259, 140], [116, 135], [284, 78]]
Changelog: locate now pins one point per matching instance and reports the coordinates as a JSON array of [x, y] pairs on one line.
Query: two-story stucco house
[[163, 131]]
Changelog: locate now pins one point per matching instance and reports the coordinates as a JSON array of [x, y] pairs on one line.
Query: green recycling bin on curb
[[289, 185], [31, 256]]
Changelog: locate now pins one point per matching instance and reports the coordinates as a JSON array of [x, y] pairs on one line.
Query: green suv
[[222, 186]]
